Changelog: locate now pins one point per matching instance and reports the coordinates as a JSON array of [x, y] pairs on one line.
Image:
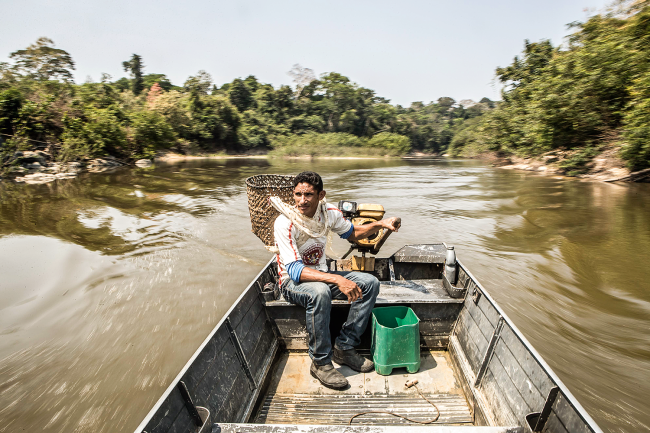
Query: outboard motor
[[360, 214]]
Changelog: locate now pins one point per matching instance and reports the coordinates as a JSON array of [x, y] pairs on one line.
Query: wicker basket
[[263, 214]]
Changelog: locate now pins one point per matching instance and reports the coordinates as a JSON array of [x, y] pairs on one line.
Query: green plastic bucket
[[395, 339]]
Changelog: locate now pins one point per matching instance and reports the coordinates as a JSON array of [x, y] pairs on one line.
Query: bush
[[578, 163], [11, 101], [340, 144], [256, 129], [97, 134], [149, 132], [394, 144], [313, 144], [173, 106], [636, 131]]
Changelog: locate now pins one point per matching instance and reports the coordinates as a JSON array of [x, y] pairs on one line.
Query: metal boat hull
[[501, 382]]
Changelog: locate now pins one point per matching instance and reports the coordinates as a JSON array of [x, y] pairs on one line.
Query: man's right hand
[[349, 289]]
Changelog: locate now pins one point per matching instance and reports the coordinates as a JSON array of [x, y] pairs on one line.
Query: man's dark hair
[[311, 178]]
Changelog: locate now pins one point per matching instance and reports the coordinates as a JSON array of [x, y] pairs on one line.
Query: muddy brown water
[[109, 282]]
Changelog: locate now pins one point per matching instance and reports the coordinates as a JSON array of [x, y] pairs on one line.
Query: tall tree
[[527, 69], [135, 67], [201, 82], [301, 77], [240, 95], [42, 61], [162, 80]]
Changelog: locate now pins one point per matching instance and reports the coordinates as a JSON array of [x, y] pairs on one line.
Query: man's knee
[[374, 286], [370, 285]]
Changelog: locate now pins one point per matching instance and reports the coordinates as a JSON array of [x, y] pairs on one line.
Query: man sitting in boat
[[300, 236]]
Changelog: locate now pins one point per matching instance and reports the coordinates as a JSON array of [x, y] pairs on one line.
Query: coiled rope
[[402, 416]]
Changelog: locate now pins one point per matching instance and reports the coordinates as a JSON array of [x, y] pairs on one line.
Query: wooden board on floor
[[294, 396]]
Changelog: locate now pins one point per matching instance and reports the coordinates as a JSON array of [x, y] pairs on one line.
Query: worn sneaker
[[352, 359], [328, 375]]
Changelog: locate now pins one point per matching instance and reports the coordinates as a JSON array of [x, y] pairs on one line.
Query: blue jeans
[[317, 298]]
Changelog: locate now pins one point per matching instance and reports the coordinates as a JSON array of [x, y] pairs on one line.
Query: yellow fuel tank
[[374, 211]]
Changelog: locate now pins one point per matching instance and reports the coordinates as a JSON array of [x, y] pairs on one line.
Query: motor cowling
[[365, 213]]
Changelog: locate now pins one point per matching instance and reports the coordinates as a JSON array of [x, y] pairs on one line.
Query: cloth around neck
[[310, 226]]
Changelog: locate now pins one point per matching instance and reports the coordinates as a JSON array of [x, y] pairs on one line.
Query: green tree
[[301, 77], [95, 133], [93, 119], [135, 68], [149, 132], [536, 57], [41, 61], [162, 80], [240, 95], [579, 97], [277, 104], [445, 104], [252, 83], [173, 107], [122, 84], [394, 144], [11, 102], [488, 102], [201, 82]]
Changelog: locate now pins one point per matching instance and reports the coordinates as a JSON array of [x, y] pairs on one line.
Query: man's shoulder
[[335, 215], [334, 211], [331, 207], [282, 221]]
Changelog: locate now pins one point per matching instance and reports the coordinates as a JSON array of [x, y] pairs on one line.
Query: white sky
[[409, 50]]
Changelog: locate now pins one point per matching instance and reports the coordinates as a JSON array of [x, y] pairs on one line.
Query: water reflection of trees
[[600, 231], [169, 193], [153, 205]]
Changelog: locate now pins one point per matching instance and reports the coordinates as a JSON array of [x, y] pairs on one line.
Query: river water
[[109, 282]]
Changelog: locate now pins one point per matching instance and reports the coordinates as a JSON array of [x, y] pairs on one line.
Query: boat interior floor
[[295, 397]]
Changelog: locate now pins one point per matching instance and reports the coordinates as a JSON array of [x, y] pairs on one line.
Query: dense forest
[[138, 116], [592, 95], [589, 96]]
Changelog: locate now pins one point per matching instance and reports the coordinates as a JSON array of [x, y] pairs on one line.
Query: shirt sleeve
[[338, 224], [294, 269], [285, 238], [348, 233]]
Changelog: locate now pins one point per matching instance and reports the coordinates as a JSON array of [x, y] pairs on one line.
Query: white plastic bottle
[[450, 265]]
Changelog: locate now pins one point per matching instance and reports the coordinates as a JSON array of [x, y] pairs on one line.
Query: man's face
[[307, 198]]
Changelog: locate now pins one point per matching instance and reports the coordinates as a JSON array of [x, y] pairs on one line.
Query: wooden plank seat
[[428, 291]]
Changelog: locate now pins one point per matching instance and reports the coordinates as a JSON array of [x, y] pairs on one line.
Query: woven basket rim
[[251, 181]]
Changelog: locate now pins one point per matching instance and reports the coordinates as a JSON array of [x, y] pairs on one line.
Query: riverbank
[[39, 167], [179, 157], [604, 166], [171, 156]]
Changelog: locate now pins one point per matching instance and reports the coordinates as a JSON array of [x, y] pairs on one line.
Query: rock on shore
[[38, 167]]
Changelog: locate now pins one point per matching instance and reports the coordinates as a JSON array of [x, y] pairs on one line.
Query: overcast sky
[[408, 50]]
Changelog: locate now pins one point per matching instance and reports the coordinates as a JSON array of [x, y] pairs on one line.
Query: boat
[[251, 374]]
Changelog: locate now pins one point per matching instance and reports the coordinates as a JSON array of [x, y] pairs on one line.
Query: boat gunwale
[[571, 399]]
